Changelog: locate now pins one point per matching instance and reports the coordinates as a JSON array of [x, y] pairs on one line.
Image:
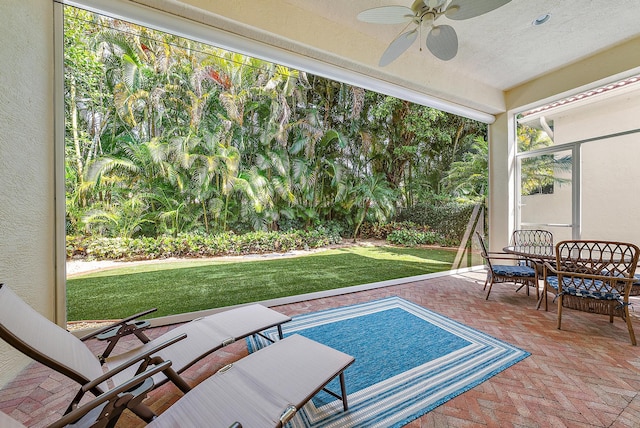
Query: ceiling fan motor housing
[[442, 40]]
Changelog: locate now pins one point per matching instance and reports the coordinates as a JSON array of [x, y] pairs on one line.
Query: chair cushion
[[519, 271], [592, 288]]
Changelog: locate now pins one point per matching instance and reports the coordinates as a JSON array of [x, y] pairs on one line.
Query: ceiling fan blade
[[434, 4], [465, 9], [397, 47], [387, 15], [442, 41]]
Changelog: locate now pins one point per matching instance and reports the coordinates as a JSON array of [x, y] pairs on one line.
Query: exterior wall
[[27, 247], [611, 185], [616, 63], [610, 178], [605, 115]]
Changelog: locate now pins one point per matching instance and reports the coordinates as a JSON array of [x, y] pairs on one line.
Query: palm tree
[[124, 220], [224, 141], [467, 179], [539, 174], [372, 196]]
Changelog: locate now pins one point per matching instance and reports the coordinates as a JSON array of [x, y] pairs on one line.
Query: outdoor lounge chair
[[37, 337], [536, 243], [264, 389], [204, 336], [104, 410]]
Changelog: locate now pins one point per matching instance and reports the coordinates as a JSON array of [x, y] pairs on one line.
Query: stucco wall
[[615, 63], [610, 189], [610, 177], [26, 160], [500, 206], [551, 208]]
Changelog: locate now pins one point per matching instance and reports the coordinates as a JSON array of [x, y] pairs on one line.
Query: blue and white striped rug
[[408, 360]]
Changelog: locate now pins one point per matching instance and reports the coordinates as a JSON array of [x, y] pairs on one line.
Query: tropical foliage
[[539, 174], [166, 136]]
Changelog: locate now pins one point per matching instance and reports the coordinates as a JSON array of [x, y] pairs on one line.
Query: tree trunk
[[360, 221], [76, 137]]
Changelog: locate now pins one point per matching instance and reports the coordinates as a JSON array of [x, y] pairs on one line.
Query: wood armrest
[[548, 266], [504, 256]]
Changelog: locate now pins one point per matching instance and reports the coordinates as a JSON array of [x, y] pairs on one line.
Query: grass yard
[[193, 285]]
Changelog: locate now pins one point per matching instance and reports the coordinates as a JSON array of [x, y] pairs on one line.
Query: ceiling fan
[[442, 40]]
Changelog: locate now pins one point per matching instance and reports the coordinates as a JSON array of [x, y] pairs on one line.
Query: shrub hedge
[[413, 237], [449, 220], [404, 233], [420, 225], [382, 230], [191, 245]]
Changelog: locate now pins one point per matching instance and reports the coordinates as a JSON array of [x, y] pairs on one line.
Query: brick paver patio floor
[[587, 375]]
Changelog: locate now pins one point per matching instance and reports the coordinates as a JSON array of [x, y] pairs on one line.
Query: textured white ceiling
[[498, 51], [502, 48]]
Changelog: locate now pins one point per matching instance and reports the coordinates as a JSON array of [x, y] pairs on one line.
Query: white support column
[[501, 203]]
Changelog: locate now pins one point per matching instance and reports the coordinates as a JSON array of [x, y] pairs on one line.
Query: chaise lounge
[[37, 337], [264, 389]]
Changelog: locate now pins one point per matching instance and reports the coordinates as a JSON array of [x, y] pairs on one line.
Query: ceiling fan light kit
[[442, 39], [541, 19]]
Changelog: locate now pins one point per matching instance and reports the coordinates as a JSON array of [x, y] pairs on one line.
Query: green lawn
[[192, 285]]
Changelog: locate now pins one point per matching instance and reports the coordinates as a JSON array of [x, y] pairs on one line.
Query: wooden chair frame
[[533, 240], [514, 272], [531, 237], [593, 276]]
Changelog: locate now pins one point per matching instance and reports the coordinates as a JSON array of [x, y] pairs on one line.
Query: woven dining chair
[[534, 241], [532, 237], [513, 271], [593, 276]]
